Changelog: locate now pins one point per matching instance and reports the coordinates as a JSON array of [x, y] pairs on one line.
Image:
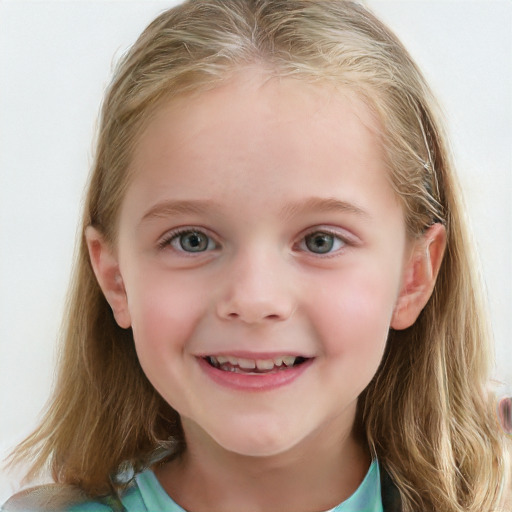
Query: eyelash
[[174, 236]]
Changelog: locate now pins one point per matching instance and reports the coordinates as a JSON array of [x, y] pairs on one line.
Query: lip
[[253, 382]]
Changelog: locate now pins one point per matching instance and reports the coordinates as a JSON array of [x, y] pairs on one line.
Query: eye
[[189, 240], [323, 242]]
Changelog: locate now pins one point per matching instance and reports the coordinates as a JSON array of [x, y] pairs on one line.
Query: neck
[[320, 473]]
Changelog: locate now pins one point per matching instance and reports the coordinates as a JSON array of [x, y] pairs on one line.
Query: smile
[[254, 374], [254, 366]]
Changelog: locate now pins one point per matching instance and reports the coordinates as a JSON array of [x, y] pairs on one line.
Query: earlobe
[[419, 277], [106, 269]]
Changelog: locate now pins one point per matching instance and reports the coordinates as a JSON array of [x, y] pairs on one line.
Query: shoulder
[[57, 498], [142, 493], [45, 498]]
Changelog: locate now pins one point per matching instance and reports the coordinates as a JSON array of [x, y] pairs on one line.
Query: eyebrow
[[323, 205], [169, 208], [181, 207]]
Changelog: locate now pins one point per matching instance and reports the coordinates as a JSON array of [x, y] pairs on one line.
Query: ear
[[420, 274], [106, 269]]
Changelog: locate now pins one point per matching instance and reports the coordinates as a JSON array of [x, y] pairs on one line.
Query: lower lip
[[254, 382]]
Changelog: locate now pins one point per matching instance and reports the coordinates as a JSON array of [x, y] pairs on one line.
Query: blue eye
[[191, 241], [321, 242]]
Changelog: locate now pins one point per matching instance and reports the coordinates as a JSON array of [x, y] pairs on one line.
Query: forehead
[[256, 135], [253, 99]]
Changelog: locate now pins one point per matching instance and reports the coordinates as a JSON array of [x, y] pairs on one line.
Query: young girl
[[274, 306]]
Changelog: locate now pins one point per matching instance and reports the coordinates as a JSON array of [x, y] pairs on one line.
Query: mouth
[[245, 366]]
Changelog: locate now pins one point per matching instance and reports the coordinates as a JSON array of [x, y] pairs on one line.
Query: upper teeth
[[251, 364]]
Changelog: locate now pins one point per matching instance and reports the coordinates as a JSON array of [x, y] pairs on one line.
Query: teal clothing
[[147, 495]]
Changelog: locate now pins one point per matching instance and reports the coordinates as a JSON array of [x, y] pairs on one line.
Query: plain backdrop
[[56, 59]]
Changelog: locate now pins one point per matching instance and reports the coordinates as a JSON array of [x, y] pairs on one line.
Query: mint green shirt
[[147, 495]]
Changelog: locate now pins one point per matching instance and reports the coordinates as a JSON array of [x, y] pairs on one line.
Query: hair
[[428, 414]]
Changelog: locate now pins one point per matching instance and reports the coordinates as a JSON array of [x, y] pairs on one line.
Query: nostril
[[255, 318]]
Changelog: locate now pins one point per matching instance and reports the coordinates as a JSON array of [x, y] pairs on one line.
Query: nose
[[258, 288]]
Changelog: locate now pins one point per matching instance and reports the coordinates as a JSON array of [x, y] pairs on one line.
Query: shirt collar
[[367, 497]]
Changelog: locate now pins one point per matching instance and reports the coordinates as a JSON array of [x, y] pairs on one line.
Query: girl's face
[[261, 253]]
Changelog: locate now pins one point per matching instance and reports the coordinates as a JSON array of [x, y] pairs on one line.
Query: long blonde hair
[[427, 414]]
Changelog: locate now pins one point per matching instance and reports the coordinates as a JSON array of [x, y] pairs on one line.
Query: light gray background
[[55, 61]]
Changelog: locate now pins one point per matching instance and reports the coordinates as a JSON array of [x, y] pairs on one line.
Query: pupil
[[193, 242], [320, 243]]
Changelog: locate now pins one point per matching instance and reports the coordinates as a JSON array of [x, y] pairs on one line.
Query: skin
[[257, 165]]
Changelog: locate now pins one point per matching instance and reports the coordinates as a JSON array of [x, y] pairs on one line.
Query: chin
[[258, 442]]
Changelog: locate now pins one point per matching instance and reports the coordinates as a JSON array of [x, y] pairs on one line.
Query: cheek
[[164, 311], [354, 314]]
